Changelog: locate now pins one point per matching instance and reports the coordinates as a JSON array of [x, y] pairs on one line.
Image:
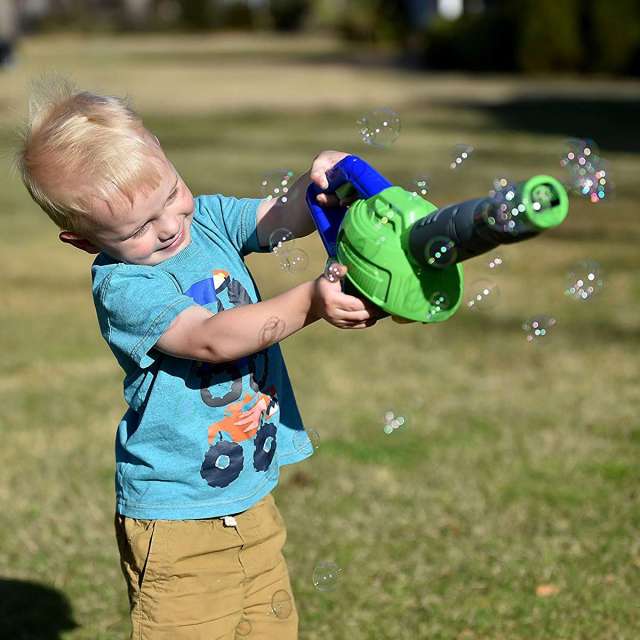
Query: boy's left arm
[[294, 214]]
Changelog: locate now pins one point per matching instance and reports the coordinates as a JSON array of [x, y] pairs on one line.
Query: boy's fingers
[[376, 312], [348, 303], [328, 199], [356, 316], [332, 200], [319, 176]]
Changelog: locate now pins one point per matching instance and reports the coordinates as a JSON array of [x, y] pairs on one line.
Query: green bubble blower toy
[[403, 253]]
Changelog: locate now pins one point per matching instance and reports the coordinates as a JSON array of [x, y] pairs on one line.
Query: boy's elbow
[[213, 351], [208, 353]]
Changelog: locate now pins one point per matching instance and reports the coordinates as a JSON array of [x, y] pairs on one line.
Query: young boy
[[211, 414]]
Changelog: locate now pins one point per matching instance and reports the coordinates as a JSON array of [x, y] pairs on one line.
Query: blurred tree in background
[[530, 36], [536, 36]]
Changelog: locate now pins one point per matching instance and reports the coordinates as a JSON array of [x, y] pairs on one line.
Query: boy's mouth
[[176, 240]]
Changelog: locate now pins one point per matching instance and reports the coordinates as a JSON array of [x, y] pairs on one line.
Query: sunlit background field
[[505, 508]]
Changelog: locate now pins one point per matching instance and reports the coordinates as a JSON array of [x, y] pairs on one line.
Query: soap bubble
[[272, 472], [579, 151], [332, 271], [314, 436], [391, 422], [420, 186], [244, 628], [294, 261], [281, 604], [495, 262], [306, 441], [461, 153], [325, 576], [440, 252], [379, 127], [276, 184], [502, 210], [584, 280], [439, 301], [589, 175], [592, 181], [538, 327], [281, 241], [483, 294]]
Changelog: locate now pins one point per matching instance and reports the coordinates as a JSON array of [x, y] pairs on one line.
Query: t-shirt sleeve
[[135, 306], [236, 218]]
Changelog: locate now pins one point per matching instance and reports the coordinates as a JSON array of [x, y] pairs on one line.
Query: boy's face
[[155, 227]]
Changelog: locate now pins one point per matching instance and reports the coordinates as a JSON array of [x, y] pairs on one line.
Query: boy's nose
[[169, 229]]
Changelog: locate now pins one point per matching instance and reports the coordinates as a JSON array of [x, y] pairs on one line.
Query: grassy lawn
[[505, 508]]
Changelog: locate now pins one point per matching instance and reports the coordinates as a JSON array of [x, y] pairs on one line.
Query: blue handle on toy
[[352, 170]]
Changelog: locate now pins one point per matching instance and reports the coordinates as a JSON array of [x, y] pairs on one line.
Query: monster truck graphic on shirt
[[246, 417]]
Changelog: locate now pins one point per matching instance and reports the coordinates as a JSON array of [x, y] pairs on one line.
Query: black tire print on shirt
[[221, 471], [265, 447], [222, 463]]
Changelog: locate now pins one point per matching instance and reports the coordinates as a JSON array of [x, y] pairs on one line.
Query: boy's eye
[[141, 230]]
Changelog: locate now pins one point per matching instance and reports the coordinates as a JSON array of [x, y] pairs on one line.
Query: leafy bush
[[614, 43], [539, 36], [288, 15], [549, 36]]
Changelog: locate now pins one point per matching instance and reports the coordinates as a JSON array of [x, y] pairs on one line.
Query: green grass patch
[[517, 464]]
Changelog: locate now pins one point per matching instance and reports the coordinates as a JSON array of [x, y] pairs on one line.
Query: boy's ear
[[68, 237]]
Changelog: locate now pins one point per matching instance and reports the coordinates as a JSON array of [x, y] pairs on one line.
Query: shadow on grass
[[29, 610], [612, 123]]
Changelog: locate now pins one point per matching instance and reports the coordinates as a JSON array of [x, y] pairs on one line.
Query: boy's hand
[[318, 174], [338, 308]]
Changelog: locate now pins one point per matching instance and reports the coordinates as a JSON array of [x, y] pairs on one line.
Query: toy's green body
[[380, 241], [373, 244]]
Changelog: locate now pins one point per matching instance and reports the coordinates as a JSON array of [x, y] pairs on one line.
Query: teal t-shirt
[[179, 453]]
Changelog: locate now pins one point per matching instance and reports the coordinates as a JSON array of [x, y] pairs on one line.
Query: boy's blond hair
[[78, 146]]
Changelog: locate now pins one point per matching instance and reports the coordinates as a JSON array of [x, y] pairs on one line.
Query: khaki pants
[[197, 579]]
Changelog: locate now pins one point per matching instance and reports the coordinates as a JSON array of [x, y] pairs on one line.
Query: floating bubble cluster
[[440, 252], [495, 262], [281, 241], [438, 301], [281, 604], [538, 327], [292, 259], [326, 575], [379, 127], [391, 423], [588, 173], [584, 280], [461, 153], [483, 295], [275, 184], [332, 271], [502, 209], [420, 186]]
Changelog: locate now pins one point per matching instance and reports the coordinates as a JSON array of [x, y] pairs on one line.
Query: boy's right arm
[[198, 334]]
